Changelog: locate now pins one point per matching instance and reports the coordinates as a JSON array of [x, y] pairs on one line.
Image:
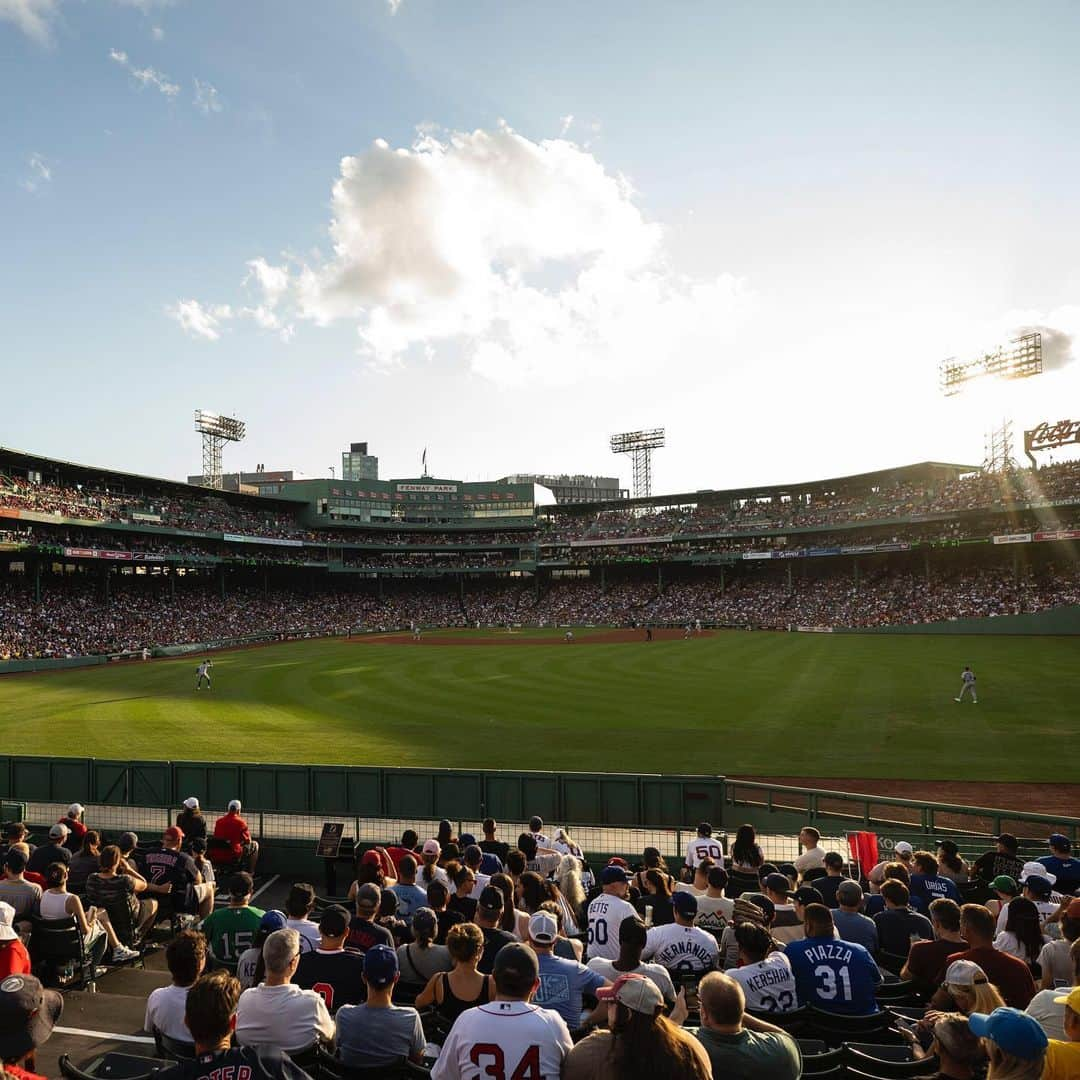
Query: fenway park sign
[[1046, 436]]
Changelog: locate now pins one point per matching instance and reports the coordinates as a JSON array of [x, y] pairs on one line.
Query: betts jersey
[[511, 1040], [606, 914]]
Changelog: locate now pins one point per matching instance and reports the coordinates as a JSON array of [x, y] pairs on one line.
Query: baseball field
[[761, 704]]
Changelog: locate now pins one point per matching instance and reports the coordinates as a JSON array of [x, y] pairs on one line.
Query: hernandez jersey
[[606, 914], [507, 1040], [681, 948]]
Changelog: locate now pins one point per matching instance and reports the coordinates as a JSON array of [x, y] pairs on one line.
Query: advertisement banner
[[616, 541], [236, 538], [1059, 534], [446, 489], [8, 512], [822, 551], [757, 554], [97, 553], [1013, 538]]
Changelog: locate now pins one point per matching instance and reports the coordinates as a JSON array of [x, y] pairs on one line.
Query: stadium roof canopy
[[924, 472], [71, 473]]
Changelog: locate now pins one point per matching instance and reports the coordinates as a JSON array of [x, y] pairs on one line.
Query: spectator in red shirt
[[233, 829], [76, 829], [14, 959], [28, 1014]]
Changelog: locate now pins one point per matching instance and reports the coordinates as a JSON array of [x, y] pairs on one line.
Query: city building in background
[[358, 464], [259, 482], [574, 489]]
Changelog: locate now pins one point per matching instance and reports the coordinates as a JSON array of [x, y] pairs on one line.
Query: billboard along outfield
[[766, 704]]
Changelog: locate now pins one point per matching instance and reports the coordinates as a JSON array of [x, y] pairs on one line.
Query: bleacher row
[[547, 879]]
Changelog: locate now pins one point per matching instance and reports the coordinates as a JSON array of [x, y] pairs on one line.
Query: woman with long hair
[[564, 844], [430, 870], [533, 891], [445, 835], [970, 989], [950, 864], [1014, 1043], [651, 859], [1022, 936], [640, 1043], [508, 921], [93, 922], [572, 892], [657, 897], [746, 854], [421, 959], [959, 1053]]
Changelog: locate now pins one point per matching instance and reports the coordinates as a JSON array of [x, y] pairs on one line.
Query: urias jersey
[[507, 1040]]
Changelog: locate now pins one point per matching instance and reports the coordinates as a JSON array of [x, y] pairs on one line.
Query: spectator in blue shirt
[[848, 919], [1061, 864], [897, 926], [410, 897], [928, 885], [562, 982], [835, 976]]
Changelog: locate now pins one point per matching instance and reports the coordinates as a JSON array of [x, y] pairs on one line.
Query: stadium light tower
[[1021, 361], [640, 444], [216, 432]]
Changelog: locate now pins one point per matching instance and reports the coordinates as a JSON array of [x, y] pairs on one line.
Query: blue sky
[[759, 225]]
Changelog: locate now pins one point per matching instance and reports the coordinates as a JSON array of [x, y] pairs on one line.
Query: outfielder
[[203, 672], [967, 678]]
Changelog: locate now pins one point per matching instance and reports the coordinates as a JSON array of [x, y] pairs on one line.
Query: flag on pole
[[423, 460]]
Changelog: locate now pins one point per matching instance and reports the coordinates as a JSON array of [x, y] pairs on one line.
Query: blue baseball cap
[[380, 966], [611, 874], [1014, 1031], [466, 839], [272, 920], [685, 903]]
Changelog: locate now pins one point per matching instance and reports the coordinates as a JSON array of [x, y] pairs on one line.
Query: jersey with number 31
[[837, 976], [504, 1040]]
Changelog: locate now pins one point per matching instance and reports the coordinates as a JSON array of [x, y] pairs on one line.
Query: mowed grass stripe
[[779, 704]]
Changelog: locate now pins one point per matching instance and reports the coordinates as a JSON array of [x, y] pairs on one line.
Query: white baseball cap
[[431, 847], [75, 809], [58, 831], [1036, 869], [964, 973], [543, 928], [635, 992], [7, 919], [902, 847], [193, 804], [234, 806]]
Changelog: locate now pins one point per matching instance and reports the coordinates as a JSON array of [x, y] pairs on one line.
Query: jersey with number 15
[[504, 1040]]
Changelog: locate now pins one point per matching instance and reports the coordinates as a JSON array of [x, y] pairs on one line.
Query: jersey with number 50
[[504, 1040], [701, 848], [606, 914]]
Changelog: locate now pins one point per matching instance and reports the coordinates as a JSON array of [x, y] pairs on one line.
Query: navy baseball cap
[[610, 875], [778, 884], [807, 895], [334, 921], [467, 840], [1014, 1031], [380, 966], [1040, 886], [1060, 841], [685, 903]]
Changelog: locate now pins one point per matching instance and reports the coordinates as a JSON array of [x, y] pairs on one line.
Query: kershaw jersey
[[606, 914], [504, 1039], [681, 948], [704, 847], [769, 985]]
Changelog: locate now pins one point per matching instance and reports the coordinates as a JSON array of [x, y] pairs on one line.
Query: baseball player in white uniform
[[703, 846], [967, 680], [607, 911], [203, 672], [508, 1036]]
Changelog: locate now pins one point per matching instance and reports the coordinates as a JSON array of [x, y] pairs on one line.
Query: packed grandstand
[[94, 562]]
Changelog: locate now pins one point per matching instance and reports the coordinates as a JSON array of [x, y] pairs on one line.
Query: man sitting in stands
[[233, 829], [331, 970], [927, 958], [832, 975]]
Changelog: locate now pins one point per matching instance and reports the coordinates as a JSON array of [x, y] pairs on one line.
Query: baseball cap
[[234, 806], [272, 920], [191, 802], [1015, 1032], [685, 903], [58, 831], [779, 884], [1006, 839], [424, 922], [334, 921], [15, 861], [75, 809], [849, 892], [380, 966], [467, 840], [491, 899], [615, 860], [28, 1014], [518, 961], [7, 920], [611, 874], [536, 824], [806, 894], [1071, 999], [964, 973], [370, 858], [1039, 885], [902, 847], [634, 991], [174, 832], [543, 928], [368, 895], [432, 847], [1036, 869], [1004, 883], [949, 846], [704, 828], [1059, 840], [128, 841]]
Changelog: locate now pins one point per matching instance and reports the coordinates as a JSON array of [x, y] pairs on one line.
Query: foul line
[[263, 888], [104, 1035]]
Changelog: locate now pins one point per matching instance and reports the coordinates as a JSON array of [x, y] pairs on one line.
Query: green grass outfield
[[738, 703]]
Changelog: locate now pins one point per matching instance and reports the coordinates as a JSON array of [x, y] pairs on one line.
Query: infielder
[[203, 672], [967, 678]]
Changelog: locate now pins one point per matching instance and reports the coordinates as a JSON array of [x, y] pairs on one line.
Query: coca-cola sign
[[1048, 436]]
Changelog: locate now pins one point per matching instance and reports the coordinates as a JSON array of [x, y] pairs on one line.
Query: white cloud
[[206, 98], [565, 123], [200, 321], [529, 258], [146, 76], [40, 173], [157, 33], [394, 6], [33, 17]]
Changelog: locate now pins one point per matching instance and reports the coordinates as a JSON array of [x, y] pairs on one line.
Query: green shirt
[[752, 1055], [231, 930]]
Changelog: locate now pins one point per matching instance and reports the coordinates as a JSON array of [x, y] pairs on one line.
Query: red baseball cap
[[174, 833], [370, 858]]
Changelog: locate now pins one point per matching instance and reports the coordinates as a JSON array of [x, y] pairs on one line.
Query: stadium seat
[[891, 961], [836, 1029], [173, 1048], [113, 1066], [792, 1022], [887, 1062], [899, 993], [56, 945], [824, 1063]]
